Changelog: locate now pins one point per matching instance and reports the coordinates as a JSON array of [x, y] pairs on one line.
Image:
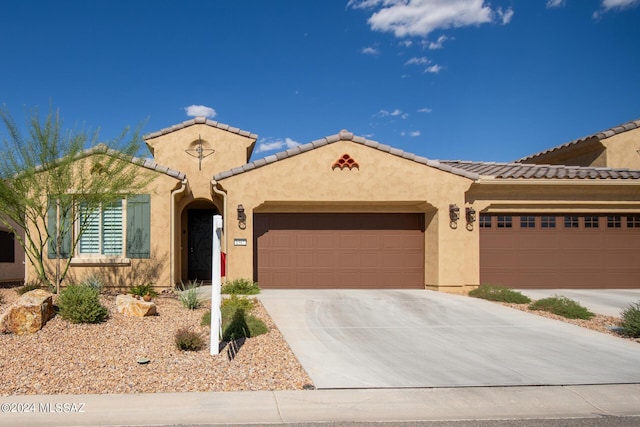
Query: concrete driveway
[[609, 302], [417, 338]]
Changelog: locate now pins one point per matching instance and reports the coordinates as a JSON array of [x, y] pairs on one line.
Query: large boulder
[[29, 313], [131, 306]]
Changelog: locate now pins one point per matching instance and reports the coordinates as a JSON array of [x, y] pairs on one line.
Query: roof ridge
[[604, 134], [196, 121], [344, 135]]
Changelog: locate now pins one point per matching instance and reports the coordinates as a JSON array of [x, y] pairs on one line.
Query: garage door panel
[[560, 258], [339, 250]]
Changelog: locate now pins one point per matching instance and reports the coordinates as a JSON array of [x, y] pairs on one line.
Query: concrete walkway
[[609, 302], [279, 407], [415, 338]]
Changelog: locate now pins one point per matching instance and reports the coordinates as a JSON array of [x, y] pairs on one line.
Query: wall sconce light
[[242, 218], [454, 215], [471, 215]]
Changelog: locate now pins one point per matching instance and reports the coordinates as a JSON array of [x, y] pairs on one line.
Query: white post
[[216, 271]]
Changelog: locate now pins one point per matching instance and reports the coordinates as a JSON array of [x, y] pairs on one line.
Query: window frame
[[82, 257]]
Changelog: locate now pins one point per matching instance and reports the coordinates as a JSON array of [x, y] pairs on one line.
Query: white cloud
[[370, 51], [272, 144], [414, 133], [505, 16], [438, 43], [200, 111], [425, 110], [434, 69], [555, 3], [417, 61], [421, 17], [608, 5], [395, 113], [406, 43]]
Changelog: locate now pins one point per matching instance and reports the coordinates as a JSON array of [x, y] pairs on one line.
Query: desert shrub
[[241, 287], [237, 322], [562, 306], [236, 302], [142, 290], [29, 286], [1, 299], [498, 293], [188, 340], [206, 318], [94, 282], [81, 304], [189, 297], [631, 320]]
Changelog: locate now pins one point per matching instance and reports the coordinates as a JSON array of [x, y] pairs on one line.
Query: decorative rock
[[130, 306], [29, 313]]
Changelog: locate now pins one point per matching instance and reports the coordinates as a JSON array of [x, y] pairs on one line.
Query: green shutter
[[52, 227], [139, 226]]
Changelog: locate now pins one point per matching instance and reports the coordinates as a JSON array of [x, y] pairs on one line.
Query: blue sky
[[447, 79]]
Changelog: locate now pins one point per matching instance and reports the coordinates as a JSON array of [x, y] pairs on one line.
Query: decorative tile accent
[[345, 161]]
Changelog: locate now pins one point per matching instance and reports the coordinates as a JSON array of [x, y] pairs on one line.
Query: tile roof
[[535, 171], [344, 135], [145, 163], [634, 124], [467, 169], [203, 121]]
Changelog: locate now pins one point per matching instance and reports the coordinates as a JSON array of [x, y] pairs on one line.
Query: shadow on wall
[[122, 278]]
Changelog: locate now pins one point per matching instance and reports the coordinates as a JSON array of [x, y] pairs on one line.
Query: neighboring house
[[12, 256], [618, 147], [347, 212]]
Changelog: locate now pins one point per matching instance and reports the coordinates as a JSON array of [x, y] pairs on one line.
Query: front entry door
[[200, 240]]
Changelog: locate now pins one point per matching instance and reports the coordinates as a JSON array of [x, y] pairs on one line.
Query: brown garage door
[[339, 250], [569, 251]]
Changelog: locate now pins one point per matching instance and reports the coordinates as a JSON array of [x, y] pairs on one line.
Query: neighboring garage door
[[572, 251], [339, 250]]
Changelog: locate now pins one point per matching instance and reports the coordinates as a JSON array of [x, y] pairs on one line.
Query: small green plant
[[81, 304], [29, 286], [237, 322], [142, 290], [241, 287], [189, 297], [206, 318], [94, 282], [237, 302], [562, 306], [188, 340], [631, 320], [498, 293]]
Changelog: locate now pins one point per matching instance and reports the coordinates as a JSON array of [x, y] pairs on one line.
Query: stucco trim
[[344, 136], [599, 136]]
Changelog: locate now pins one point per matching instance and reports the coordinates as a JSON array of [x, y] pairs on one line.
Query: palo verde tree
[[51, 180]]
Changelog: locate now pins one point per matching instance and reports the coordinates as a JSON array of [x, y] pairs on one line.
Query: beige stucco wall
[[623, 150], [383, 183], [13, 271], [132, 272]]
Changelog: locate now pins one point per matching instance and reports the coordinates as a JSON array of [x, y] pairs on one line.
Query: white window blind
[[102, 233]]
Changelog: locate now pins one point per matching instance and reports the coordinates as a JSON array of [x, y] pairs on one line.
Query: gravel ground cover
[[65, 358]]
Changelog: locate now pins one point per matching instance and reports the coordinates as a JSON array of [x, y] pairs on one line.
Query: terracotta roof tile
[[634, 124], [535, 171], [200, 121]]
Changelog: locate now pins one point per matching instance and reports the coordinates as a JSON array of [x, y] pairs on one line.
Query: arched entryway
[[197, 220]]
